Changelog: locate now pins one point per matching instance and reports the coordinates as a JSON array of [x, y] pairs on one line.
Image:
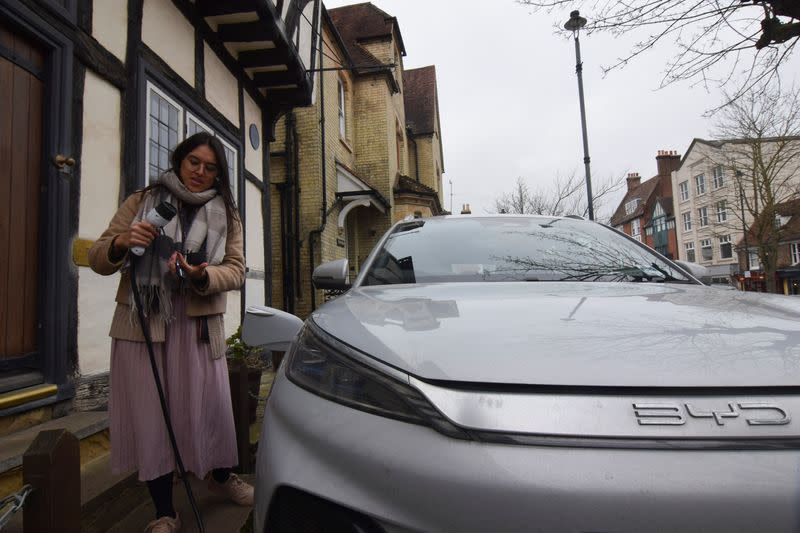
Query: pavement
[[219, 515]]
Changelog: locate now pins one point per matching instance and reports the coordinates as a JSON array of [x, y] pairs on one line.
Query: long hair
[[222, 183]]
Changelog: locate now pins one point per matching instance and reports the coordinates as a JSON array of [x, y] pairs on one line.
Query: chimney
[[465, 210], [667, 161], [634, 180]]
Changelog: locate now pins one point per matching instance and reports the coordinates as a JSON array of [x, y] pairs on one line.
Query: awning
[[354, 192]]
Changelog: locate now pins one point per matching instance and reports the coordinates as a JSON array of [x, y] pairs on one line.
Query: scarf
[[208, 232]]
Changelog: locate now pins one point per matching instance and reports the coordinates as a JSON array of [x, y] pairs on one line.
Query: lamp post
[[574, 24]]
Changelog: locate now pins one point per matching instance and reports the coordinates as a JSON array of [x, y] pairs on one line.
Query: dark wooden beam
[[212, 8], [264, 57], [245, 32], [271, 79], [218, 47]]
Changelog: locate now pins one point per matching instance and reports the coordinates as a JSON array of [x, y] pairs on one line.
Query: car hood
[[573, 334]]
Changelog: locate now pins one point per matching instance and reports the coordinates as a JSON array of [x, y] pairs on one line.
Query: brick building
[[646, 212], [367, 153], [787, 274]]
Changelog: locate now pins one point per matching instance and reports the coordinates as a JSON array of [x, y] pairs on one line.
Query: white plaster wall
[[233, 315], [170, 35], [101, 157], [255, 292], [110, 25], [222, 88], [253, 158], [95, 310], [255, 228]]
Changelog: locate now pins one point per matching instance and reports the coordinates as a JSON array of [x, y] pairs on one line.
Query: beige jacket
[[209, 301]]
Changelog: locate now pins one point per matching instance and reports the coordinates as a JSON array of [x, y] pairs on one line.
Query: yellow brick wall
[[374, 116], [409, 207]]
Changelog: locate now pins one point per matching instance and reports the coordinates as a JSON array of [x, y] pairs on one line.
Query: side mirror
[[332, 275], [698, 271], [270, 328]]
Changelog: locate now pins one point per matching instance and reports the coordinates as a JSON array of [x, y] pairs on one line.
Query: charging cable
[[148, 340]]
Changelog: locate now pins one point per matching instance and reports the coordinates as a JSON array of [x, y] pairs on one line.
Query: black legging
[[161, 490]]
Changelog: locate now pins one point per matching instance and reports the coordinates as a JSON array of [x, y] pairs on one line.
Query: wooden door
[[21, 100]]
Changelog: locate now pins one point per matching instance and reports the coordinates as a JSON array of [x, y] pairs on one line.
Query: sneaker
[[234, 489], [165, 524]]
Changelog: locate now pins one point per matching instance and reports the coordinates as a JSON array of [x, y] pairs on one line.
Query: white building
[[94, 94], [709, 216]]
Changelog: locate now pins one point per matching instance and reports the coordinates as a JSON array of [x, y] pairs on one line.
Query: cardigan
[[209, 301]]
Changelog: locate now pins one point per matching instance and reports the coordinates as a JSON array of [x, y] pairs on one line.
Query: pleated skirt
[[198, 397]]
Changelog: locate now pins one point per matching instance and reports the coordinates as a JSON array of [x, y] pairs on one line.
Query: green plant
[[240, 351]]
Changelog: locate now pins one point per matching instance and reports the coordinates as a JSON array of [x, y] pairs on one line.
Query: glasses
[[209, 169]]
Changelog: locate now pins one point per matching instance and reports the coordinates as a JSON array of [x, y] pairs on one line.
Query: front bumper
[[411, 478]]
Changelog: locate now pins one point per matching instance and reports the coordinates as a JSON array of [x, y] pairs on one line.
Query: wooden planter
[[245, 383]]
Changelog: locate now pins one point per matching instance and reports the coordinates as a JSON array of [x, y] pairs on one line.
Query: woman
[[183, 300]]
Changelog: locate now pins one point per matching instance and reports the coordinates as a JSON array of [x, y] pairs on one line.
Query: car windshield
[[513, 249]]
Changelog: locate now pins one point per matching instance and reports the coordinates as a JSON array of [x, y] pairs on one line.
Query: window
[[342, 116], [705, 250], [700, 183], [687, 221], [631, 206], [725, 247], [689, 249], [794, 250], [722, 211], [168, 124], [684, 190], [754, 262], [636, 229], [719, 176], [165, 127], [702, 217]]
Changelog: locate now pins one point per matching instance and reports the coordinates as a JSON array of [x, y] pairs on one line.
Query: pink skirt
[[198, 395]]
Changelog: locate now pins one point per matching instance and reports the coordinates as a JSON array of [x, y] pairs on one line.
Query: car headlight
[[327, 367]]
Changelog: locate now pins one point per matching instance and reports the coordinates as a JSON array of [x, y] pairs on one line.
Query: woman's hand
[[139, 234], [194, 273]]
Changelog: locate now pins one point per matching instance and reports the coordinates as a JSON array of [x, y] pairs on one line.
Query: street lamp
[[574, 24]]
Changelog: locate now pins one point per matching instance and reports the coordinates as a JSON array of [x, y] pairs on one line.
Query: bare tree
[[718, 40], [566, 196], [760, 147]]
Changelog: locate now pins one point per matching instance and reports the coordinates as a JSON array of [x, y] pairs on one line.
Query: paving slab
[[219, 515]]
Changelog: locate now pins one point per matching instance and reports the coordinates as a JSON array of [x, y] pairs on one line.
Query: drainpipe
[[317, 232]]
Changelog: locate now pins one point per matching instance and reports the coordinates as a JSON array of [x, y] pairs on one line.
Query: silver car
[[530, 374]]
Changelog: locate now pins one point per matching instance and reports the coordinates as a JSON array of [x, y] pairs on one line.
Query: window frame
[[794, 252], [725, 240], [700, 184], [631, 206], [702, 217], [687, 220], [150, 86], [186, 114], [636, 229], [718, 173], [342, 104], [689, 250], [683, 190], [722, 214], [706, 244]]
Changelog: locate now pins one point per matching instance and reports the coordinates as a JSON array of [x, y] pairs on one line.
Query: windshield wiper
[[668, 276]]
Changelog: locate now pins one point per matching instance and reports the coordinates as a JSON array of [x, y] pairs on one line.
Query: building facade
[[646, 212], [366, 154], [715, 202], [95, 95]]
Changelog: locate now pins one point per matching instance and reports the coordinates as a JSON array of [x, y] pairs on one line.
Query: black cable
[[148, 340]]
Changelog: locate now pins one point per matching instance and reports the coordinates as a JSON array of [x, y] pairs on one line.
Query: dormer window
[[631, 206]]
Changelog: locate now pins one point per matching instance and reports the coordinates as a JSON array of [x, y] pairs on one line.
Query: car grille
[[295, 511]]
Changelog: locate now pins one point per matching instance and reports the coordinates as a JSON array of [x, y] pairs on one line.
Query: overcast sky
[[508, 98]]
